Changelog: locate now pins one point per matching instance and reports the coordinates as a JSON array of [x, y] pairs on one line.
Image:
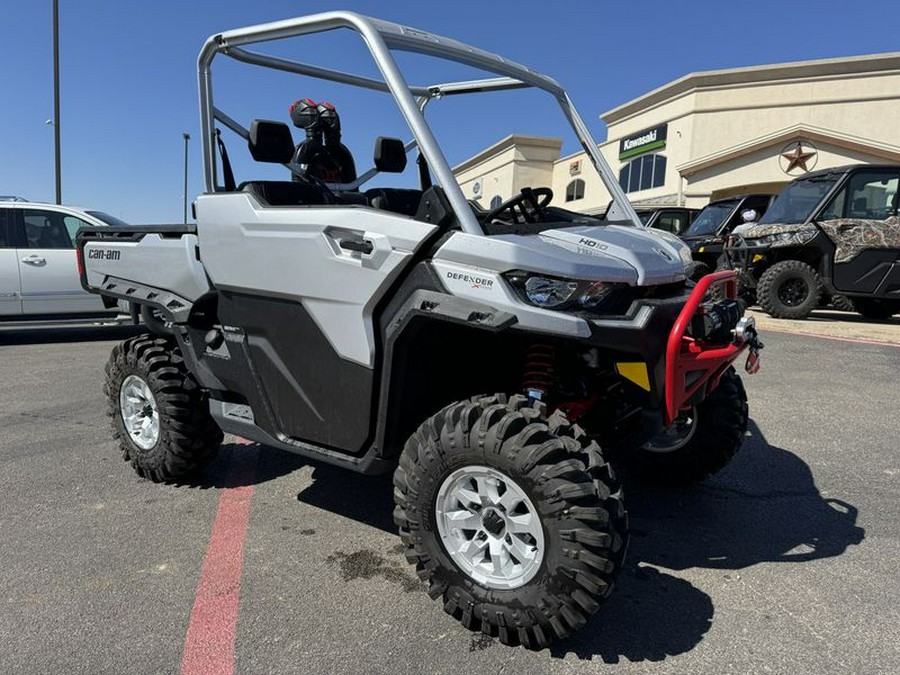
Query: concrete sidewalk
[[833, 323]]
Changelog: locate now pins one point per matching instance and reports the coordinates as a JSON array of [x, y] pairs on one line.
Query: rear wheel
[[513, 518], [873, 308], [789, 289], [842, 303], [160, 416], [700, 442]]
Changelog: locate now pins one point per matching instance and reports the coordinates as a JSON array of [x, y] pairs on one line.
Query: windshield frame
[[830, 179], [380, 37], [737, 203]]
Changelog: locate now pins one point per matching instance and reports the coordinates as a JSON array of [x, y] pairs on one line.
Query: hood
[[760, 231], [694, 238], [616, 253]]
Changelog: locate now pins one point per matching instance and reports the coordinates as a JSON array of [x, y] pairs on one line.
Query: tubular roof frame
[[381, 37]]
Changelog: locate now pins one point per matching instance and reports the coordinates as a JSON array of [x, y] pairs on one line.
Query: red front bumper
[[686, 357]]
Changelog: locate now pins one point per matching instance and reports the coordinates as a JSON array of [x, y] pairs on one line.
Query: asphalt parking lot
[[785, 562]]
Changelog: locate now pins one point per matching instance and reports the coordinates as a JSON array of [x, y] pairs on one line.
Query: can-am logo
[[101, 254], [477, 282]]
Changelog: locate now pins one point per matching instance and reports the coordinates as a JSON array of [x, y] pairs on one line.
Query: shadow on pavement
[[232, 469], [366, 499], [763, 507], [650, 616], [42, 335]]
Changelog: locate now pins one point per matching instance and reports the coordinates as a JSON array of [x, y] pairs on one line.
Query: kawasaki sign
[[644, 141]]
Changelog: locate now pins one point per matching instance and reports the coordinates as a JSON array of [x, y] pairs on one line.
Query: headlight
[[792, 238], [552, 293], [549, 293]]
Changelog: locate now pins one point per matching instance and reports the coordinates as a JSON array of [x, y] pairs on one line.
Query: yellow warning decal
[[635, 372]]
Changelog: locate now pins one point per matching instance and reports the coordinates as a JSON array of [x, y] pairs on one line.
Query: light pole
[[56, 100], [186, 137]]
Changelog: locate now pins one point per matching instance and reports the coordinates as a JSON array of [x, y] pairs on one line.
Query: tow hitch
[[745, 332]]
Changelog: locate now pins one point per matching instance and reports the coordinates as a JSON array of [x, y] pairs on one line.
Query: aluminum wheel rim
[[139, 413], [489, 527], [679, 433]]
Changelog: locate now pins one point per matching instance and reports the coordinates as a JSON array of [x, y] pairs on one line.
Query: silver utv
[[370, 328]]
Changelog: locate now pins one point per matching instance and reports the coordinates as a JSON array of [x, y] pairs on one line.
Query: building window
[[575, 190], [496, 201], [643, 173]]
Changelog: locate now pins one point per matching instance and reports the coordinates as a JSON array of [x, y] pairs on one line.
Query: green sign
[[644, 141]]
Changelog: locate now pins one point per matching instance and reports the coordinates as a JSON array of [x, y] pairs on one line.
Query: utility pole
[[187, 137], [56, 123]]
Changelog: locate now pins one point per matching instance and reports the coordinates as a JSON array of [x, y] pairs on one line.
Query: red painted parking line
[[209, 645]]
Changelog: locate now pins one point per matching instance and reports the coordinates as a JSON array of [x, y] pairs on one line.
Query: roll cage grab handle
[[380, 37]]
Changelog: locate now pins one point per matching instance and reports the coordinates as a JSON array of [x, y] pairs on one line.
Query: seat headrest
[[390, 155], [271, 141]]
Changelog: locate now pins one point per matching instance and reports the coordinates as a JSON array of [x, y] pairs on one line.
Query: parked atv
[[370, 329], [834, 231]]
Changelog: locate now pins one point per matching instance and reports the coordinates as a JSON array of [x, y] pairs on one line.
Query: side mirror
[[390, 155]]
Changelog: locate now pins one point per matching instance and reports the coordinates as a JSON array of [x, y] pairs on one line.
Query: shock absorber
[[540, 362]]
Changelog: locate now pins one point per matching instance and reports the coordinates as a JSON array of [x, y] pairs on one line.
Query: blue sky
[[128, 71]]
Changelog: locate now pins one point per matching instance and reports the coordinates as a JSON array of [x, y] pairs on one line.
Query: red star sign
[[797, 158]]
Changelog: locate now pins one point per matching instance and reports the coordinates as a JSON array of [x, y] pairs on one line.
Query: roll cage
[[381, 37]]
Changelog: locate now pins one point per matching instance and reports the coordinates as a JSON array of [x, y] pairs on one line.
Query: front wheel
[[160, 416], [789, 289], [700, 442], [697, 270], [744, 292], [513, 518]]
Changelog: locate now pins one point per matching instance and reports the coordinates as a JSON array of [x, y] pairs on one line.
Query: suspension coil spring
[[540, 362]]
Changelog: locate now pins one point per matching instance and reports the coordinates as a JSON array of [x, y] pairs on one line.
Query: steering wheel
[[528, 205]]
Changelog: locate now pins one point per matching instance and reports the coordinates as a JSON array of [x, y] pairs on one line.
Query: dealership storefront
[[713, 134]]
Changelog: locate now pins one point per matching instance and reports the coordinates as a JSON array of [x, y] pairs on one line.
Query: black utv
[[707, 233], [834, 231], [674, 219]]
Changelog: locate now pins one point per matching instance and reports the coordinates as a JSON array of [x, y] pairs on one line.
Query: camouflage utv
[[833, 232]]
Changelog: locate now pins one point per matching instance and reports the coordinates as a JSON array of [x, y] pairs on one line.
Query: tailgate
[[152, 264]]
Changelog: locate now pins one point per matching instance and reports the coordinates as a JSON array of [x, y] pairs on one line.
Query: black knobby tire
[[789, 289], [717, 291], [697, 270], [188, 436], [873, 308], [721, 423], [842, 303], [575, 493]]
